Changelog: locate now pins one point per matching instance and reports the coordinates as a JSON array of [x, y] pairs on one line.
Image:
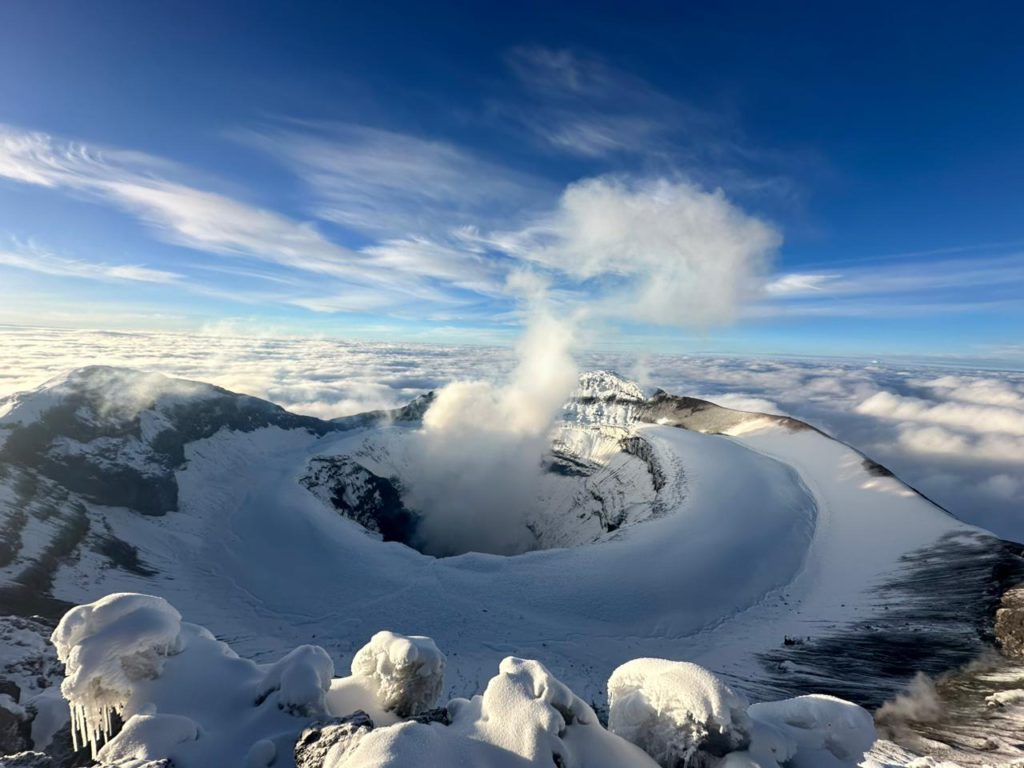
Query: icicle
[[91, 724]]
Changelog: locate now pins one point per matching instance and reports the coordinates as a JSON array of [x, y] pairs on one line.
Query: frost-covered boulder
[[182, 695], [685, 717], [525, 717], [679, 713], [524, 710], [824, 731], [107, 647], [300, 680], [406, 674], [187, 700]]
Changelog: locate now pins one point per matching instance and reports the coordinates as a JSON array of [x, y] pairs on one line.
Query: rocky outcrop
[[321, 737], [373, 501], [1009, 626], [14, 726]]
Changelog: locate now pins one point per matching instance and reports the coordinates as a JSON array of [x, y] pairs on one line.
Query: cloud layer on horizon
[[956, 434]]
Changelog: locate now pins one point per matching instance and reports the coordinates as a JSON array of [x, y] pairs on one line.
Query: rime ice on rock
[[685, 717], [107, 646], [406, 673], [679, 713], [148, 737], [187, 698], [525, 717]]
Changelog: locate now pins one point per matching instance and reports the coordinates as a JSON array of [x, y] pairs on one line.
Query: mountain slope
[[752, 544]]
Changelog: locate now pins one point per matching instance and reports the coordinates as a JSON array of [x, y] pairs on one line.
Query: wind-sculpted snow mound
[[686, 717], [678, 712], [148, 687], [817, 731], [524, 717]]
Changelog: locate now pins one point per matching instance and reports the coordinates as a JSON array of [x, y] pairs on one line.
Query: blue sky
[[804, 180]]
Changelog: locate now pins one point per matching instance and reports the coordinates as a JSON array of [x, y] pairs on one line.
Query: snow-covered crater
[[598, 474]]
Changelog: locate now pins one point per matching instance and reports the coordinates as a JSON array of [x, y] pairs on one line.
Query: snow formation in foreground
[[183, 695]]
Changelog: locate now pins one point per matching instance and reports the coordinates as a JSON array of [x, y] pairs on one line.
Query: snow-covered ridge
[[116, 436]]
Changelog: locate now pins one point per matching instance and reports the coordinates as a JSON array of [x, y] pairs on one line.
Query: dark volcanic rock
[[407, 414], [373, 501], [936, 614], [438, 715], [320, 737], [15, 729]]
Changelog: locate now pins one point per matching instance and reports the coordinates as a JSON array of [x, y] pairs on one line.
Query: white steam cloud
[[920, 703], [667, 252], [477, 461]]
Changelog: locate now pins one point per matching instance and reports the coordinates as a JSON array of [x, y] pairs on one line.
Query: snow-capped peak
[[102, 394], [605, 398], [607, 386]]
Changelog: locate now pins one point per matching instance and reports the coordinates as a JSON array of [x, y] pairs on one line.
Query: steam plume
[[660, 251]]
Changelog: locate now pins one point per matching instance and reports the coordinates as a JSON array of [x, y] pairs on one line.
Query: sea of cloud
[[954, 433]]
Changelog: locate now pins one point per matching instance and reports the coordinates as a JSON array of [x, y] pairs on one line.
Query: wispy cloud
[[36, 260], [795, 284], [213, 223], [923, 288], [394, 184], [571, 102], [183, 214], [674, 253], [581, 105], [446, 227]]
